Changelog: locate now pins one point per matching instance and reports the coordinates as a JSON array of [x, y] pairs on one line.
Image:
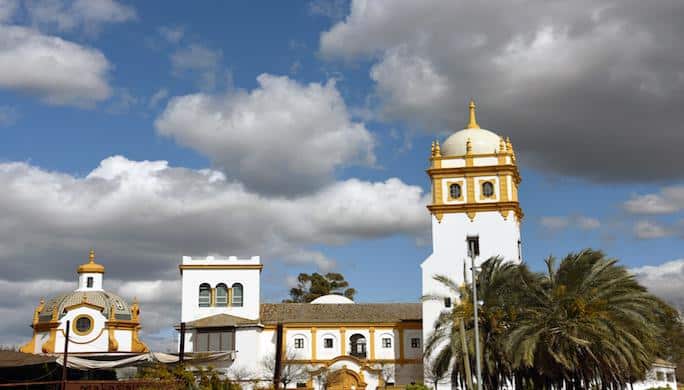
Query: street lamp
[[474, 251]]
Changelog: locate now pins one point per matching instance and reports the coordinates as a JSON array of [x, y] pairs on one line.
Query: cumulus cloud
[[557, 223], [7, 9], [648, 230], [57, 71], [196, 59], [670, 200], [533, 80], [282, 137], [141, 216], [664, 280], [69, 15]]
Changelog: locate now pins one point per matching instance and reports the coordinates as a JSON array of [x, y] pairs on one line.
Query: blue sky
[[267, 111]]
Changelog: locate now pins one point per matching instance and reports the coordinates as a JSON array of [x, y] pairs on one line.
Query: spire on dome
[[91, 266], [472, 123]]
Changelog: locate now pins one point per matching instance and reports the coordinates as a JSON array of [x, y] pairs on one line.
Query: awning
[[88, 363]]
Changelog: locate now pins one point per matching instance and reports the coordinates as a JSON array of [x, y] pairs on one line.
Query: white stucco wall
[[97, 340], [191, 279], [83, 282], [497, 237], [323, 353], [652, 379]]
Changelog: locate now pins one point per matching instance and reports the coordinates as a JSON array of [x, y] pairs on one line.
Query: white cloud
[[200, 60], [531, 79], [146, 214], [557, 223], [408, 82], [280, 138], [7, 9], [646, 230], [172, 34], [333, 9], [89, 15], [665, 281], [195, 57], [157, 97], [141, 216], [8, 115], [57, 71], [587, 223], [670, 200], [554, 222]]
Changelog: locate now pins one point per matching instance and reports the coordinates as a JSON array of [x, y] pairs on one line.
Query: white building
[[100, 322], [475, 214], [366, 345], [475, 210]]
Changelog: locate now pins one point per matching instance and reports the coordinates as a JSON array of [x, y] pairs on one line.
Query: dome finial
[[91, 266], [472, 123]]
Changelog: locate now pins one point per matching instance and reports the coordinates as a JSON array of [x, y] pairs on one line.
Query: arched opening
[[358, 346], [238, 299], [487, 189], [204, 295], [455, 191], [221, 295]]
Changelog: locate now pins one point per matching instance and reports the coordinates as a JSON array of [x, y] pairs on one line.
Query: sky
[[300, 131]]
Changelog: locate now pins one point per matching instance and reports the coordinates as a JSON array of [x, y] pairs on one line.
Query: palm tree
[[586, 322], [498, 291]]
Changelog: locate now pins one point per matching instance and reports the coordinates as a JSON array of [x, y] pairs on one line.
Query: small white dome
[[332, 298], [482, 141]]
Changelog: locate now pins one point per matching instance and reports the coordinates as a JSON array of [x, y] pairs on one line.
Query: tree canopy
[[312, 286], [584, 322]]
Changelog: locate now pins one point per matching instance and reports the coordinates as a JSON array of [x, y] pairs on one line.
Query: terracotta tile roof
[[272, 313], [219, 321]]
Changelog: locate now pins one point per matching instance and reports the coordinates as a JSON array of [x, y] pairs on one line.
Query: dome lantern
[[91, 266]]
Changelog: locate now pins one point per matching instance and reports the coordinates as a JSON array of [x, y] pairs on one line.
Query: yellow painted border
[[481, 184], [86, 332], [460, 183]]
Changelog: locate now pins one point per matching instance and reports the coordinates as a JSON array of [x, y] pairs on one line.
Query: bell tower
[[474, 208]]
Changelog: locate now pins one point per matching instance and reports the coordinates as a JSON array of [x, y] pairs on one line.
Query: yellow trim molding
[[111, 341], [49, 345], [471, 209], [313, 343], [220, 266], [343, 340]]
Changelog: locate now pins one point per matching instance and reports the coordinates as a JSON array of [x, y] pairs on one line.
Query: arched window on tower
[[204, 295], [237, 295], [487, 189], [221, 295], [455, 191]]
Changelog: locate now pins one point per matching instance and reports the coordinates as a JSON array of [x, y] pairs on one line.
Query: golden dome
[[91, 266]]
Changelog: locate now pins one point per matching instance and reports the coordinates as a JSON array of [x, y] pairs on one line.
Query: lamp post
[[472, 249]]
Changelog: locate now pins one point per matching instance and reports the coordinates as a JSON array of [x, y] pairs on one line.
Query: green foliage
[[659, 388], [416, 386], [199, 378], [312, 286], [582, 322]]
